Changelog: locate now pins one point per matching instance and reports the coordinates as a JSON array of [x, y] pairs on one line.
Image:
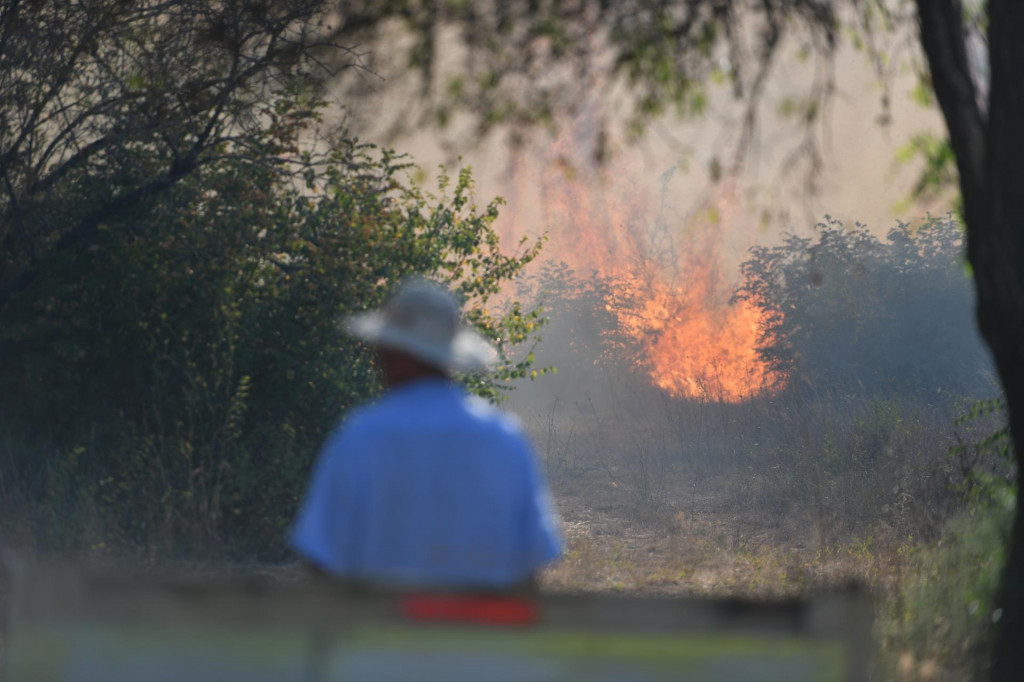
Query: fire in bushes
[[670, 290]]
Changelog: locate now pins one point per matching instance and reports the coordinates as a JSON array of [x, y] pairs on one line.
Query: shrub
[[171, 391], [943, 617], [865, 316]]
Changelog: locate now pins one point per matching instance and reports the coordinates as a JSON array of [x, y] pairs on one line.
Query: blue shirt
[[428, 487]]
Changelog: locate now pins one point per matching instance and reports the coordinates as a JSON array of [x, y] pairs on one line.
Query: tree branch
[[87, 226]]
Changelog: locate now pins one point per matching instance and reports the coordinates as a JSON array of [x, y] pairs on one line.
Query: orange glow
[[670, 289], [696, 346]]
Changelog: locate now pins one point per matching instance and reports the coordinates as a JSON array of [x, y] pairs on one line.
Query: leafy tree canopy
[[105, 105]]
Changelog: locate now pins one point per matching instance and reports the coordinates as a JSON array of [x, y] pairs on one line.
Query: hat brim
[[468, 352]]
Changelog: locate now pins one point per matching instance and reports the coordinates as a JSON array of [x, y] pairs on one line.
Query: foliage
[[178, 382], [984, 449], [848, 310], [938, 173], [106, 105], [520, 65], [583, 323], [942, 622], [178, 244]]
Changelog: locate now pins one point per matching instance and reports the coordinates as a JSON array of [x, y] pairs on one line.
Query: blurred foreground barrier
[[81, 627]]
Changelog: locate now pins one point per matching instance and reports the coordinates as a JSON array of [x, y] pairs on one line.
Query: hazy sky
[[861, 179]]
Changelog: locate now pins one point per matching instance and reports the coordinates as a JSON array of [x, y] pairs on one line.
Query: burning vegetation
[[665, 280], [647, 282]]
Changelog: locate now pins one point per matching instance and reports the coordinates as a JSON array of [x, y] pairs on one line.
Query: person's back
[[427, 487]]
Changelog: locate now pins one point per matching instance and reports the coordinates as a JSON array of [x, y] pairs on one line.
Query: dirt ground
[[699, 546]]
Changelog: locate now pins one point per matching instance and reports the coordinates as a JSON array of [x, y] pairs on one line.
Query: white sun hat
[[422, 319]]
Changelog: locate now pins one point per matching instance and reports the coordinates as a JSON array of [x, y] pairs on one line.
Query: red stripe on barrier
[[484, 610]]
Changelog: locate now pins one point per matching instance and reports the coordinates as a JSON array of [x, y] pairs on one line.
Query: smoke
[[645, 239]]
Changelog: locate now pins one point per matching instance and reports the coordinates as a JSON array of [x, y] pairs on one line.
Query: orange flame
[[697, 347], [671, 299]]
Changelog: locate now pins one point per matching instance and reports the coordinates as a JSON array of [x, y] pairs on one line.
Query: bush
[[170, 392], [870, 317], [942, 619]]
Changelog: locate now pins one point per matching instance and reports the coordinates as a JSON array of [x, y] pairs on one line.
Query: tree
[[526, 60], [105, 105], [106, 108], [989, 146]]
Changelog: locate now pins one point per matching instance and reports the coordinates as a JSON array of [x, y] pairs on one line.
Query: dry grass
[[764, 501], [707, 555], [765, 498]]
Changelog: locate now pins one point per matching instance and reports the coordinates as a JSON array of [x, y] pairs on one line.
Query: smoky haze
[[842, 311], [875, 351], [844, 433]]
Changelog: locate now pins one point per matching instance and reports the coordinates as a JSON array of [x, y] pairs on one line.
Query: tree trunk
[[996, 250], [989, 148]]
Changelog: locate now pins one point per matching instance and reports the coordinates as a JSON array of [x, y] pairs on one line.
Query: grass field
[[757, 501]]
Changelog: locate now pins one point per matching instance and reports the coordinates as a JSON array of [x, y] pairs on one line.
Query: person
[[427, 487]]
